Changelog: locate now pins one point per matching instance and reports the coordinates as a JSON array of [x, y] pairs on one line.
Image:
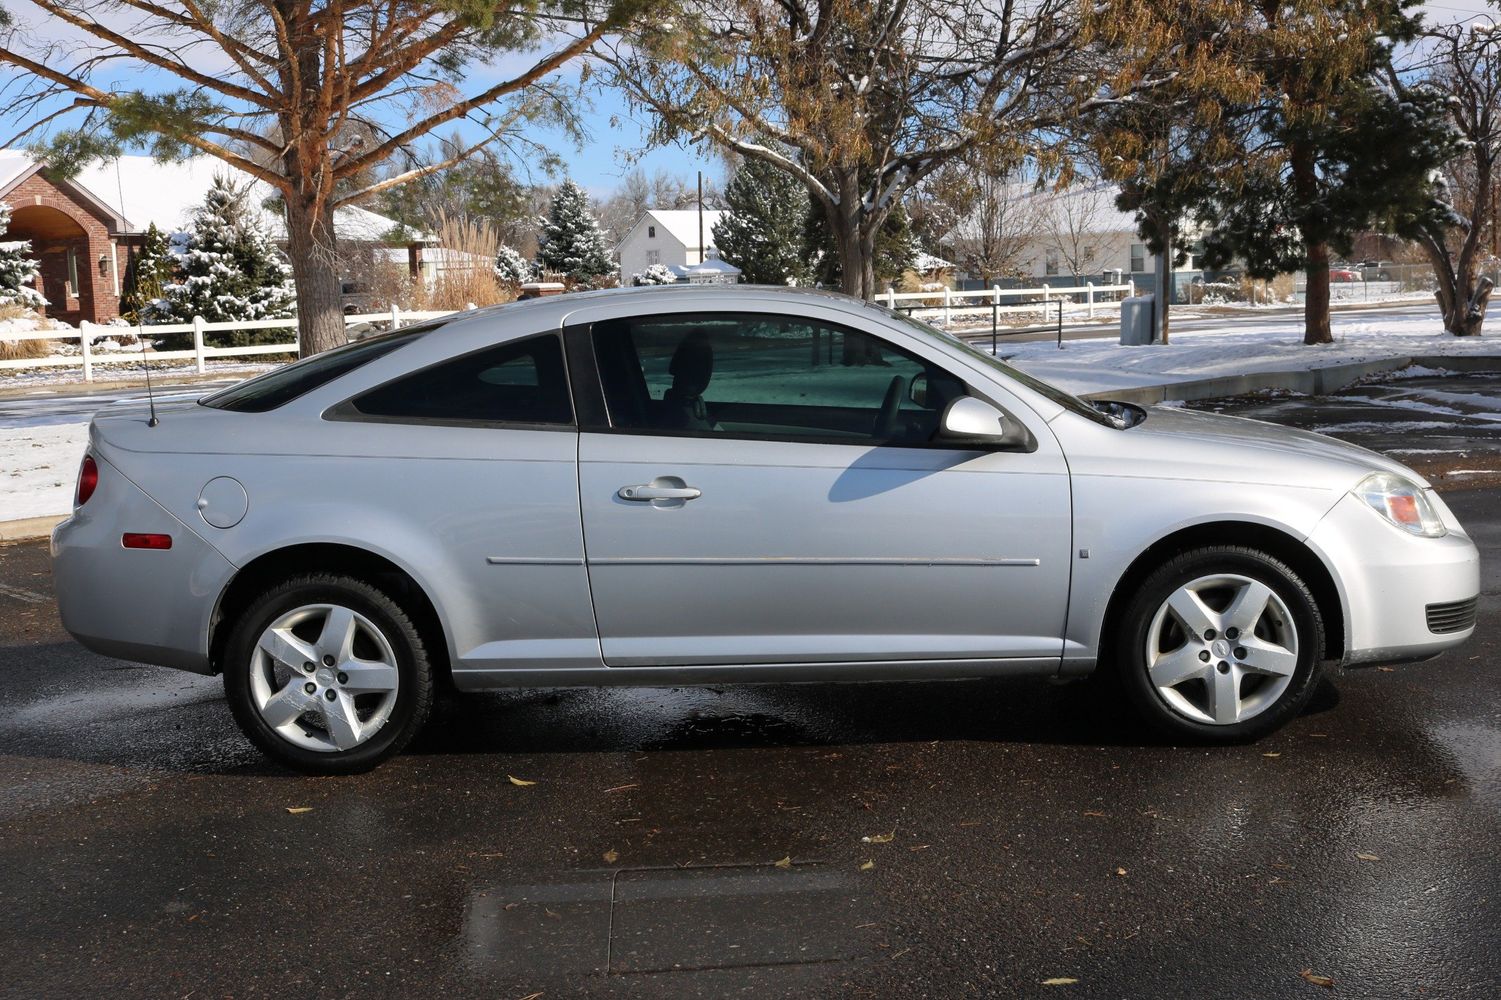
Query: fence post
[[198, 344], [1089, 297], [86, 344], [1046, 288], [1060, 324], [948, 316], [395, 316], [890, 297]]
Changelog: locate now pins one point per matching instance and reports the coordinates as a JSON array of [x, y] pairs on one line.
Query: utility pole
[[700, 216]]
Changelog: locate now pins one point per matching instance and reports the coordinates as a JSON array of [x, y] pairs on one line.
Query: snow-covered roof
[[712, 264], [682, 223], [923, 262], [145, 192]]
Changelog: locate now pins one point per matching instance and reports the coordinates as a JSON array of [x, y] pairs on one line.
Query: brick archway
[[72, 240]]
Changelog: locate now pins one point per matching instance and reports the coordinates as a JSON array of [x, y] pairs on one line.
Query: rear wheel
[[1221, 645], [327, 675]]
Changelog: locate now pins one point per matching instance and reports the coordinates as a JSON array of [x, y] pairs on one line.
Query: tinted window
[[752, 375], [520, 382], [268, 391]]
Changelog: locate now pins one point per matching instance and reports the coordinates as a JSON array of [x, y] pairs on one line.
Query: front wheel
[[1220, 645], [327, 675]]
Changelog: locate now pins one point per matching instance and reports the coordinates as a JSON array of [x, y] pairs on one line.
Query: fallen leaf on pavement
[[785, 862], [531, 996], [1272, 754], [612, 856], [1120, 871], [295, 810], [1325, 981], [1362, 855], [867, 866], [519, 782], [879, 838], [1387, 670], [1059, 981]]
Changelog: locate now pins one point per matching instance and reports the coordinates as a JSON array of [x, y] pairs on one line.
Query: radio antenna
[[140, 332]]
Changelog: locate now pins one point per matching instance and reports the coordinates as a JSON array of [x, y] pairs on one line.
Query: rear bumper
[[1388, 579], [152, 606]]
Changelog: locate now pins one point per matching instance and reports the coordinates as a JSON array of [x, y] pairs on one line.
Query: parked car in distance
[[1343, 272], [709, 485], [1378, 270]]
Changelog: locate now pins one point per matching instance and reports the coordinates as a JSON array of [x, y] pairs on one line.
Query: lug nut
[[344, 678], [1240, 652], [1223, 666], [310, 687], [1204, 655], [307, 666], [1209, 634], [1232, 633], [328, 661], [330, 695]]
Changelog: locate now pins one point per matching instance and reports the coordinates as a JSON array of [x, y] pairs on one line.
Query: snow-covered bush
[[510, 267], [657, 274], [228, 268], [18, 270]]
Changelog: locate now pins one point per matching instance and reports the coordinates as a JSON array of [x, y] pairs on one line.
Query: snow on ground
[[1266, 345], [39, 468]]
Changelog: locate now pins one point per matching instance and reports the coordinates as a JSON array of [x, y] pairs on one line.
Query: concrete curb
[[29, 528], [1312, 382]]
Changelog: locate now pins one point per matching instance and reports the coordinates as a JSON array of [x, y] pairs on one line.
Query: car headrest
[[692, 365]]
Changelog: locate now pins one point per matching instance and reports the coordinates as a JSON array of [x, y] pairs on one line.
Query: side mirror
[[971, 420]]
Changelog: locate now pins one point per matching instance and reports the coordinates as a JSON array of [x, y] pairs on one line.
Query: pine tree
[[17, 270], [763, 232], [149, 275], [571, 240], [510, 267], [227, 266]]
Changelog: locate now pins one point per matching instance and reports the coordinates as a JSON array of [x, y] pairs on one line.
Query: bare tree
[[309, 98], [1003, 224], [1074, 219]]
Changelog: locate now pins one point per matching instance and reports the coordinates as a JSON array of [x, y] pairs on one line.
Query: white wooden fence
[[944, 304], [200, 353]]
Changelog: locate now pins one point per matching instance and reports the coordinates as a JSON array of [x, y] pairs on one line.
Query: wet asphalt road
[[1017, 833]]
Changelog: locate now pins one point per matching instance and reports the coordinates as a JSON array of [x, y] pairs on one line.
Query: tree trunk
[[1463, 293], [313, 250], [1162, 281], [1316, 298]]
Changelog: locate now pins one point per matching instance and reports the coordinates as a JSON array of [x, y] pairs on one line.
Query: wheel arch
[[271, 567], [1264, 538]]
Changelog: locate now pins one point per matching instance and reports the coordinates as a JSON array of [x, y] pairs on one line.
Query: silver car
[[715, 485]]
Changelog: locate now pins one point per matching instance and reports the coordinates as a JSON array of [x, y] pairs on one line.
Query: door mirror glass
[[970, 419]]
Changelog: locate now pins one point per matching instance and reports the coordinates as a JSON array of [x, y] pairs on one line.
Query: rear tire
[[1220, 645], [327, 675]]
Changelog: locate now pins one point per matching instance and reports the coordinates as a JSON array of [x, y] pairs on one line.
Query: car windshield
[[268, 391], [1067, 400]]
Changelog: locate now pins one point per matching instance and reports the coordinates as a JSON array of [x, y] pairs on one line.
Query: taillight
[[88, 480]]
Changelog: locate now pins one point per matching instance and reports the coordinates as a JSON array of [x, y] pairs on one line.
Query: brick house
[[86, 231]]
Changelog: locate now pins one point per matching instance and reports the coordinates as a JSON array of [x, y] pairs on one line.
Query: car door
[[762, 488]]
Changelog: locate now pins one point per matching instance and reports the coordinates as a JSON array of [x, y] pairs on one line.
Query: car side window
[[519, 382], [754, 375]]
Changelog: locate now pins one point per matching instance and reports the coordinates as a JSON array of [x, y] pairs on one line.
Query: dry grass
[[466, 274], [18, 350]]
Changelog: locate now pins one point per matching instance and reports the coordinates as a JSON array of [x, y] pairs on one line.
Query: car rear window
[[275, 388]]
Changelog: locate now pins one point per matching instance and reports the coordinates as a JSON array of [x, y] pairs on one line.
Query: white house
[[666, 236]]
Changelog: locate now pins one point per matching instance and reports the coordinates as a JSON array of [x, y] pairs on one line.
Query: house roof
[[711, 264], [143, 191], [682, 223]]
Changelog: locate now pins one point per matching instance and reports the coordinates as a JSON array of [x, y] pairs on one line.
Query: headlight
[[1402, 502]]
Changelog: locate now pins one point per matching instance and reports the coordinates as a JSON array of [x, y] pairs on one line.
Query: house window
[[653, 257], [1050, 265], [1138, 258], [72, 271], [651, 234]]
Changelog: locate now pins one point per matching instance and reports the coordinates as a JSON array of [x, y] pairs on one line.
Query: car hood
[[1176, 443]]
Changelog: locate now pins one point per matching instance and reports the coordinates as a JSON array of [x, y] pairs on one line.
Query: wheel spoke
[[287, 704], [1247, 607], [337, 637], [341, 721], [1182, 664], [1224, 695], [1268, 658], [285, 648], [1192, 612], [366, 677]]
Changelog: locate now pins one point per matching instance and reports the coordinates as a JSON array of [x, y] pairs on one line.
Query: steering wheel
[[887, 417]]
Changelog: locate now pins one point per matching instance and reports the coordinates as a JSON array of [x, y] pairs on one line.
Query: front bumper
[[147, 605], [1387, 579]]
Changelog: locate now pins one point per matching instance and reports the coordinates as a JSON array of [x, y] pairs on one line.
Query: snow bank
[[38, 469]]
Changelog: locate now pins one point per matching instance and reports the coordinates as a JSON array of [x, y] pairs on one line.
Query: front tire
[[327, 675], [1220, 645]]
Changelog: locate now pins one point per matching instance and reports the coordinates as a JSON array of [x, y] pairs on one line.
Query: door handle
[[650, 491]]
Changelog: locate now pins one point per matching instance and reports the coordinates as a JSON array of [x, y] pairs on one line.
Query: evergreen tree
[[17, 270], [149, 275], [227, 267], [510, 267], [763, 232], [571, 242]]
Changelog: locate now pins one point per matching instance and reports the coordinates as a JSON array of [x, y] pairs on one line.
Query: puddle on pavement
[[640, 921]]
